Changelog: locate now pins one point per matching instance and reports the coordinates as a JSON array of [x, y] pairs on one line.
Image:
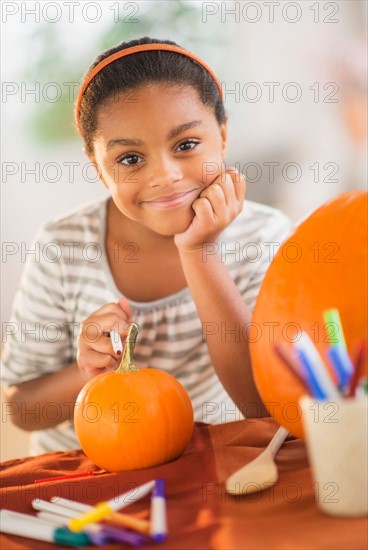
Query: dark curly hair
[[131, 72]]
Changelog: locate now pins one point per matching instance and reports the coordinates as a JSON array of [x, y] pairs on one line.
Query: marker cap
[[64, 536], [159, 488]]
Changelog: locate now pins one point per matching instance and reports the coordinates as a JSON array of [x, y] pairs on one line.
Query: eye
[[187, 145], [130, 160]]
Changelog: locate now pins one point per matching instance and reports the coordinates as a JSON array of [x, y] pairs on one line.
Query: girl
[[169, 249]]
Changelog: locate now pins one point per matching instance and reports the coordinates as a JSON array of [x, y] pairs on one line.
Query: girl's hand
[[216, 207], [95, 353]]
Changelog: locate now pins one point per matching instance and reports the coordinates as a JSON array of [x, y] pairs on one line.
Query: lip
[[173, 200]]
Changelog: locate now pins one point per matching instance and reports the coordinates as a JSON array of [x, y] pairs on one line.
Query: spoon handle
[[277, 441]]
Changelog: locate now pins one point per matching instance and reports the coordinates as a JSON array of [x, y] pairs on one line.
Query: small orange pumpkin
[[133, 418], [322, 265]]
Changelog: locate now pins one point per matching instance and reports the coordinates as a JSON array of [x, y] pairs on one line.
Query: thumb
[[123, 303], [235, 174]]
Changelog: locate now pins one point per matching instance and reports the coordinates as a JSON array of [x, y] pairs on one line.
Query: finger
[[95, 327], [124, 304], [204, 212], [98, 363], [232, 193], [216, 196], [239, 183], [223, 198], [106, 308], [225, 181], [227, 187], [101, 344]]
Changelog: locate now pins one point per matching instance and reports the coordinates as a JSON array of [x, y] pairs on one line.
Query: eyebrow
[[138, 142], [183, 127]]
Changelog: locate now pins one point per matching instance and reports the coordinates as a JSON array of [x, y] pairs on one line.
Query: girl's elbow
[[16, 409]]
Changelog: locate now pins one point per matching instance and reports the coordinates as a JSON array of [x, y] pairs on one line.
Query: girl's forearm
[[44, 402], [225, 318]]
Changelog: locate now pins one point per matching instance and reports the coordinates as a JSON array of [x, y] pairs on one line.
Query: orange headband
[[136, 49]]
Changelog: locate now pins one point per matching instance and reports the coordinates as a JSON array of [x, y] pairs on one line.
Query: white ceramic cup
[[337, 442]]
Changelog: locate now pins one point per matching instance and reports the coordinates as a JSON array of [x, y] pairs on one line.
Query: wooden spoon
[[261, 472]]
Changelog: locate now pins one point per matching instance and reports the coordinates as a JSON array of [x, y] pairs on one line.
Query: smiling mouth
[[170, 201]]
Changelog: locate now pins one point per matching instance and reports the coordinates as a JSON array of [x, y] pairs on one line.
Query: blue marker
[[158, 520], [317, 375], [341, 363], [314, 386]]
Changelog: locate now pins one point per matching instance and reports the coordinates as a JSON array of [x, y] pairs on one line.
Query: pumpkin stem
[[127, 361]]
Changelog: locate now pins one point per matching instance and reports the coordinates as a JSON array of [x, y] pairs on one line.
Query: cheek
[[122, 197], [121, 185], [210, 166], [123, 200]]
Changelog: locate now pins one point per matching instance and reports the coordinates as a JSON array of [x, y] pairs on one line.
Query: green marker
[[334, 327], [24, 525]]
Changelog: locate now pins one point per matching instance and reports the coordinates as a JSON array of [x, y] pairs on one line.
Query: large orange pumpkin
[[133, 418], [322, 265]]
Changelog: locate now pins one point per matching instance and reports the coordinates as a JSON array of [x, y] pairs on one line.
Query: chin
[[172, 226]]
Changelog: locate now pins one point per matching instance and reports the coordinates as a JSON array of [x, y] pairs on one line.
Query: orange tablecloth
[[200, 513]]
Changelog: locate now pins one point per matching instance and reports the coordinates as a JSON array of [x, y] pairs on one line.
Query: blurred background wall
[[294, 78]]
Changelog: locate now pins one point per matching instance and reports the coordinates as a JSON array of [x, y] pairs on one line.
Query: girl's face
[[156, 150]]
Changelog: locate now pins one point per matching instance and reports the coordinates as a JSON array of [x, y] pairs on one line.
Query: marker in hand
[[116, 342]]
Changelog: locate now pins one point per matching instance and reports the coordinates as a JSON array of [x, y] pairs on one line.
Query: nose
[[164, 171]]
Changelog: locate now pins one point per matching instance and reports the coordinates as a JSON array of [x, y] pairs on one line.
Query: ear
[[95, 164], [223, 132]]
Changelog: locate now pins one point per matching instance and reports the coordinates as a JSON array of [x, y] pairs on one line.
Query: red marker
[[358, 367], [67, 476]]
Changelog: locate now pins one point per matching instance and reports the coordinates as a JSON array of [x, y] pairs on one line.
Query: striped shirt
[[68, 277]]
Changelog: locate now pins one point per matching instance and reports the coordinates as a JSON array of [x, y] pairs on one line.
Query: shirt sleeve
[[276, 229], [38, 338]]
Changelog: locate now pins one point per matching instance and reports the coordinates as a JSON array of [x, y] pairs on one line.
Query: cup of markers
[[335, 418], [336, 436]]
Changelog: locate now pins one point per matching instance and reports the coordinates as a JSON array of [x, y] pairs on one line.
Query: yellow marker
[[104, 509], [99, 512]]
